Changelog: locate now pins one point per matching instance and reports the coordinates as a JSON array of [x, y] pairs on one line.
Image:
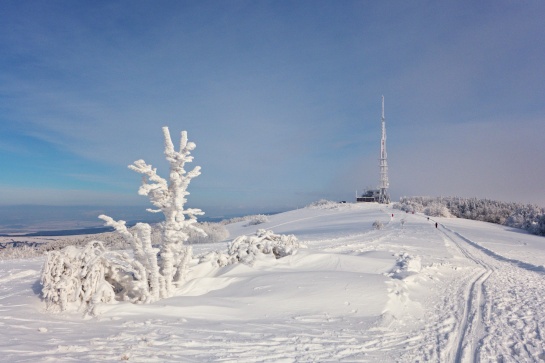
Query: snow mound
[[406, 265], [378, 225]]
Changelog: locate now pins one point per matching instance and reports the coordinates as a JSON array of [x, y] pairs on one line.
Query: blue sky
[[282, 99]]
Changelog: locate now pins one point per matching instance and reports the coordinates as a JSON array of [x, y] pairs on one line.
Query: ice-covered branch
[[144, 253]]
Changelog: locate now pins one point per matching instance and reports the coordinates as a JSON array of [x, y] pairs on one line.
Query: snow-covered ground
[[465, 291]]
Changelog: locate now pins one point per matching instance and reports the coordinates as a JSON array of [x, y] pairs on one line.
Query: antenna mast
[[384, 197]]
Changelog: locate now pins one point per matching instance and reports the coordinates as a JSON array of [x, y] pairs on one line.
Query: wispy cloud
[[282, 99]]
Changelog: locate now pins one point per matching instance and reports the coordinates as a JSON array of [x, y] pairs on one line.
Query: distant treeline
[[524, 216]]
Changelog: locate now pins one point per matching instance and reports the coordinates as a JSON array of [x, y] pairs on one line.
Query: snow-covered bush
[[248, 219], [258, 219], [328, 204], [323, 204], [153, 273], [378, 224], [437, 210], [408, 205], [264, 241], [215, 232], [16, 252], [246, 249], [537, 226], [77, 277]]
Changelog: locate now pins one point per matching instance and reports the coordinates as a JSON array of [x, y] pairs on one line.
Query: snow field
[[408, 292]]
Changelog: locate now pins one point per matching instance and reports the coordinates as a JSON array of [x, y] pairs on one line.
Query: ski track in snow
[[505, 309], [492, 312], [466, 303]]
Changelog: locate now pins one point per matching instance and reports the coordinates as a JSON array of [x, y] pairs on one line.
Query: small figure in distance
[[435, 224]]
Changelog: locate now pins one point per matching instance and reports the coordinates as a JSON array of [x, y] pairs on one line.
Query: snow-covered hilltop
[[465, 291]]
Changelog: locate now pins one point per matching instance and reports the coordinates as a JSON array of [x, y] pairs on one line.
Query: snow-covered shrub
[[328, 204], [248, 219], [538, 225], [258, 219], [77, 277], [264, 241], [246, 249], [378, 224], [437, 210], [15, 252], [409, 205], [234, 220], [215, 232], [323, 204]]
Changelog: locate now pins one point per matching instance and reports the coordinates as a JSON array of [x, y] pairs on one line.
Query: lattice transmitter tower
[[379, 194], [383, 196]]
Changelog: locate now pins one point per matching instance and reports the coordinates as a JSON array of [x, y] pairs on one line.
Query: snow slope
[[466, 291]]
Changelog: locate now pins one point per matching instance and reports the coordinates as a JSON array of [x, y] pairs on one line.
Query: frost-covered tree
[[436, 209], [87, 277], [169, 198]]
